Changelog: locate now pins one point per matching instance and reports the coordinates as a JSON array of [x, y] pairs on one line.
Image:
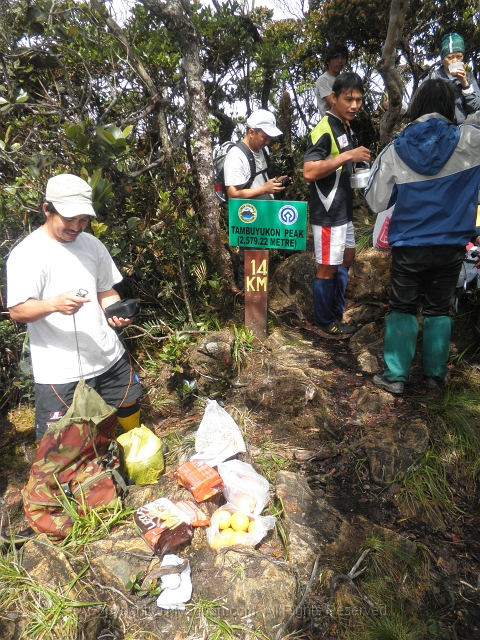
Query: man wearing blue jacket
[[431, 173]]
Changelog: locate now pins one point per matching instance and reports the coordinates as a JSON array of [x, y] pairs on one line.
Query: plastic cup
[[454, 67]]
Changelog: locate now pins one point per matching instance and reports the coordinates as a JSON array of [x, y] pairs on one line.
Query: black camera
[[285, 182], [123, 309]]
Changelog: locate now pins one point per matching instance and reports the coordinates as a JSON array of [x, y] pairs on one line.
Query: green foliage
[[459, 414], [16, 382], [207, 615], [89, 524], [425, 484], [243, 345], [396, 625], [175, 349], [139, 587], [48, 613]]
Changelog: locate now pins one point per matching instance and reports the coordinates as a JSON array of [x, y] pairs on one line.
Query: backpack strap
[[251, 161]]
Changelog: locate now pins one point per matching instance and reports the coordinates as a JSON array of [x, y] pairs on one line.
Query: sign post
[[259, 225], [256, 291]]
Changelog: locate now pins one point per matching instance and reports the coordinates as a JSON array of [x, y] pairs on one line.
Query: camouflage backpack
[[77, 458]]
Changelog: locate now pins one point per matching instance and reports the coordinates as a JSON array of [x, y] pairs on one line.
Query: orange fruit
[[218, 543], [223, 519], [227, 535], [239, 521], [251, 526], [238, 537]]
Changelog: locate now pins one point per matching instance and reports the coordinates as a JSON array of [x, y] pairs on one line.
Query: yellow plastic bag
[[143, 455]]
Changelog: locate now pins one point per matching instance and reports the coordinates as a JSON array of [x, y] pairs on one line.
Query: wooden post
[[256, 292]]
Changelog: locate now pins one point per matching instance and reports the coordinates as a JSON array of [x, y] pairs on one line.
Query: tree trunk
[[388, 71], [174, 14]]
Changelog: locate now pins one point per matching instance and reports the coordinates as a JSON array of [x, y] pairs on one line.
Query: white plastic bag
[[380, 230], [218, 436], [261, 525], [244, 488]]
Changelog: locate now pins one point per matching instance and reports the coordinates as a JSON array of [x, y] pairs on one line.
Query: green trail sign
[[267, 224]]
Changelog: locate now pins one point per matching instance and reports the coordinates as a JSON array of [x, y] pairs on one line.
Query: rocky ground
[[356, 553]]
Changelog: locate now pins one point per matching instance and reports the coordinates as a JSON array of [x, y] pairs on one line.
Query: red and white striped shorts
[[331, 242]]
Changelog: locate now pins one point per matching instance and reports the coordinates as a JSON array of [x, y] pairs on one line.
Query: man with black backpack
[[240, 179]]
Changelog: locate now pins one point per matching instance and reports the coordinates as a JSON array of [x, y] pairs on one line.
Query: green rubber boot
[[436, 346], [399, 345]]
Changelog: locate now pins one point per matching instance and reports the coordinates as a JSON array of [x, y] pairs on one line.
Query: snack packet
[[194, 514], [163, 525], [200, 479]]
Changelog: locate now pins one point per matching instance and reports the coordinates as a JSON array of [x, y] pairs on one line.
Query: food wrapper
[[163, 525], [195, 515], [200, 479]]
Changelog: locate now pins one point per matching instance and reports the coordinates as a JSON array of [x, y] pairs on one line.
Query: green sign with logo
[[267, 224]]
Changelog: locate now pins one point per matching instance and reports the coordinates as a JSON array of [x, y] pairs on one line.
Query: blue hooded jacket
[[431, 172]]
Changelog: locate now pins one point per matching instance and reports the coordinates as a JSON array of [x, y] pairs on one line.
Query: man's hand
[[461, 75], [117, 323], [31, 310], [274, 185], [68, 303], [318, 169], [271, 186], [360, 154]]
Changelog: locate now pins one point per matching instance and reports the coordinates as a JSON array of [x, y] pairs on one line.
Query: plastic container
[[200, 479]]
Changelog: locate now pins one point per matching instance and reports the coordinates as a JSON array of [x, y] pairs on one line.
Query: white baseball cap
[[70, 195], [264, 120]]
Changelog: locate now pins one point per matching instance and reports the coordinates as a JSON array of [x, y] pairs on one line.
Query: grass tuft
[[49, 614], [91, 524], [426, 486], [207, 613], [459, 415]]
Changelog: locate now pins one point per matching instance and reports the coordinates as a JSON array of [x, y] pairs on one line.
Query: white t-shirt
[[39, 268], [323, 88], [237, 171]]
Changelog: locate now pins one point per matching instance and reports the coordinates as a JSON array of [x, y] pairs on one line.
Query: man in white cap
[[240, 181], [60, 281]]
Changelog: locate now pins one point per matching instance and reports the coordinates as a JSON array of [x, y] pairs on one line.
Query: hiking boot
[[432, 384], [337, 328], [395, 386], [347, 328]]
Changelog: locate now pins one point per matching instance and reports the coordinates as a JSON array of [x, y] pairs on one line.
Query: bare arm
[[328, 101], [271, 186], [32, 310], [318, 169], [105, 299]]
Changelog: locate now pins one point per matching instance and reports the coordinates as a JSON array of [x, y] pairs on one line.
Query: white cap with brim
[[264, 120], [70, 195]]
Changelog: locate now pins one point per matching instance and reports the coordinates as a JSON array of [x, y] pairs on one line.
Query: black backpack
[[219, 156]]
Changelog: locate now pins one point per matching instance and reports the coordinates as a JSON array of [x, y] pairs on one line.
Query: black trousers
[[432, 271]]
